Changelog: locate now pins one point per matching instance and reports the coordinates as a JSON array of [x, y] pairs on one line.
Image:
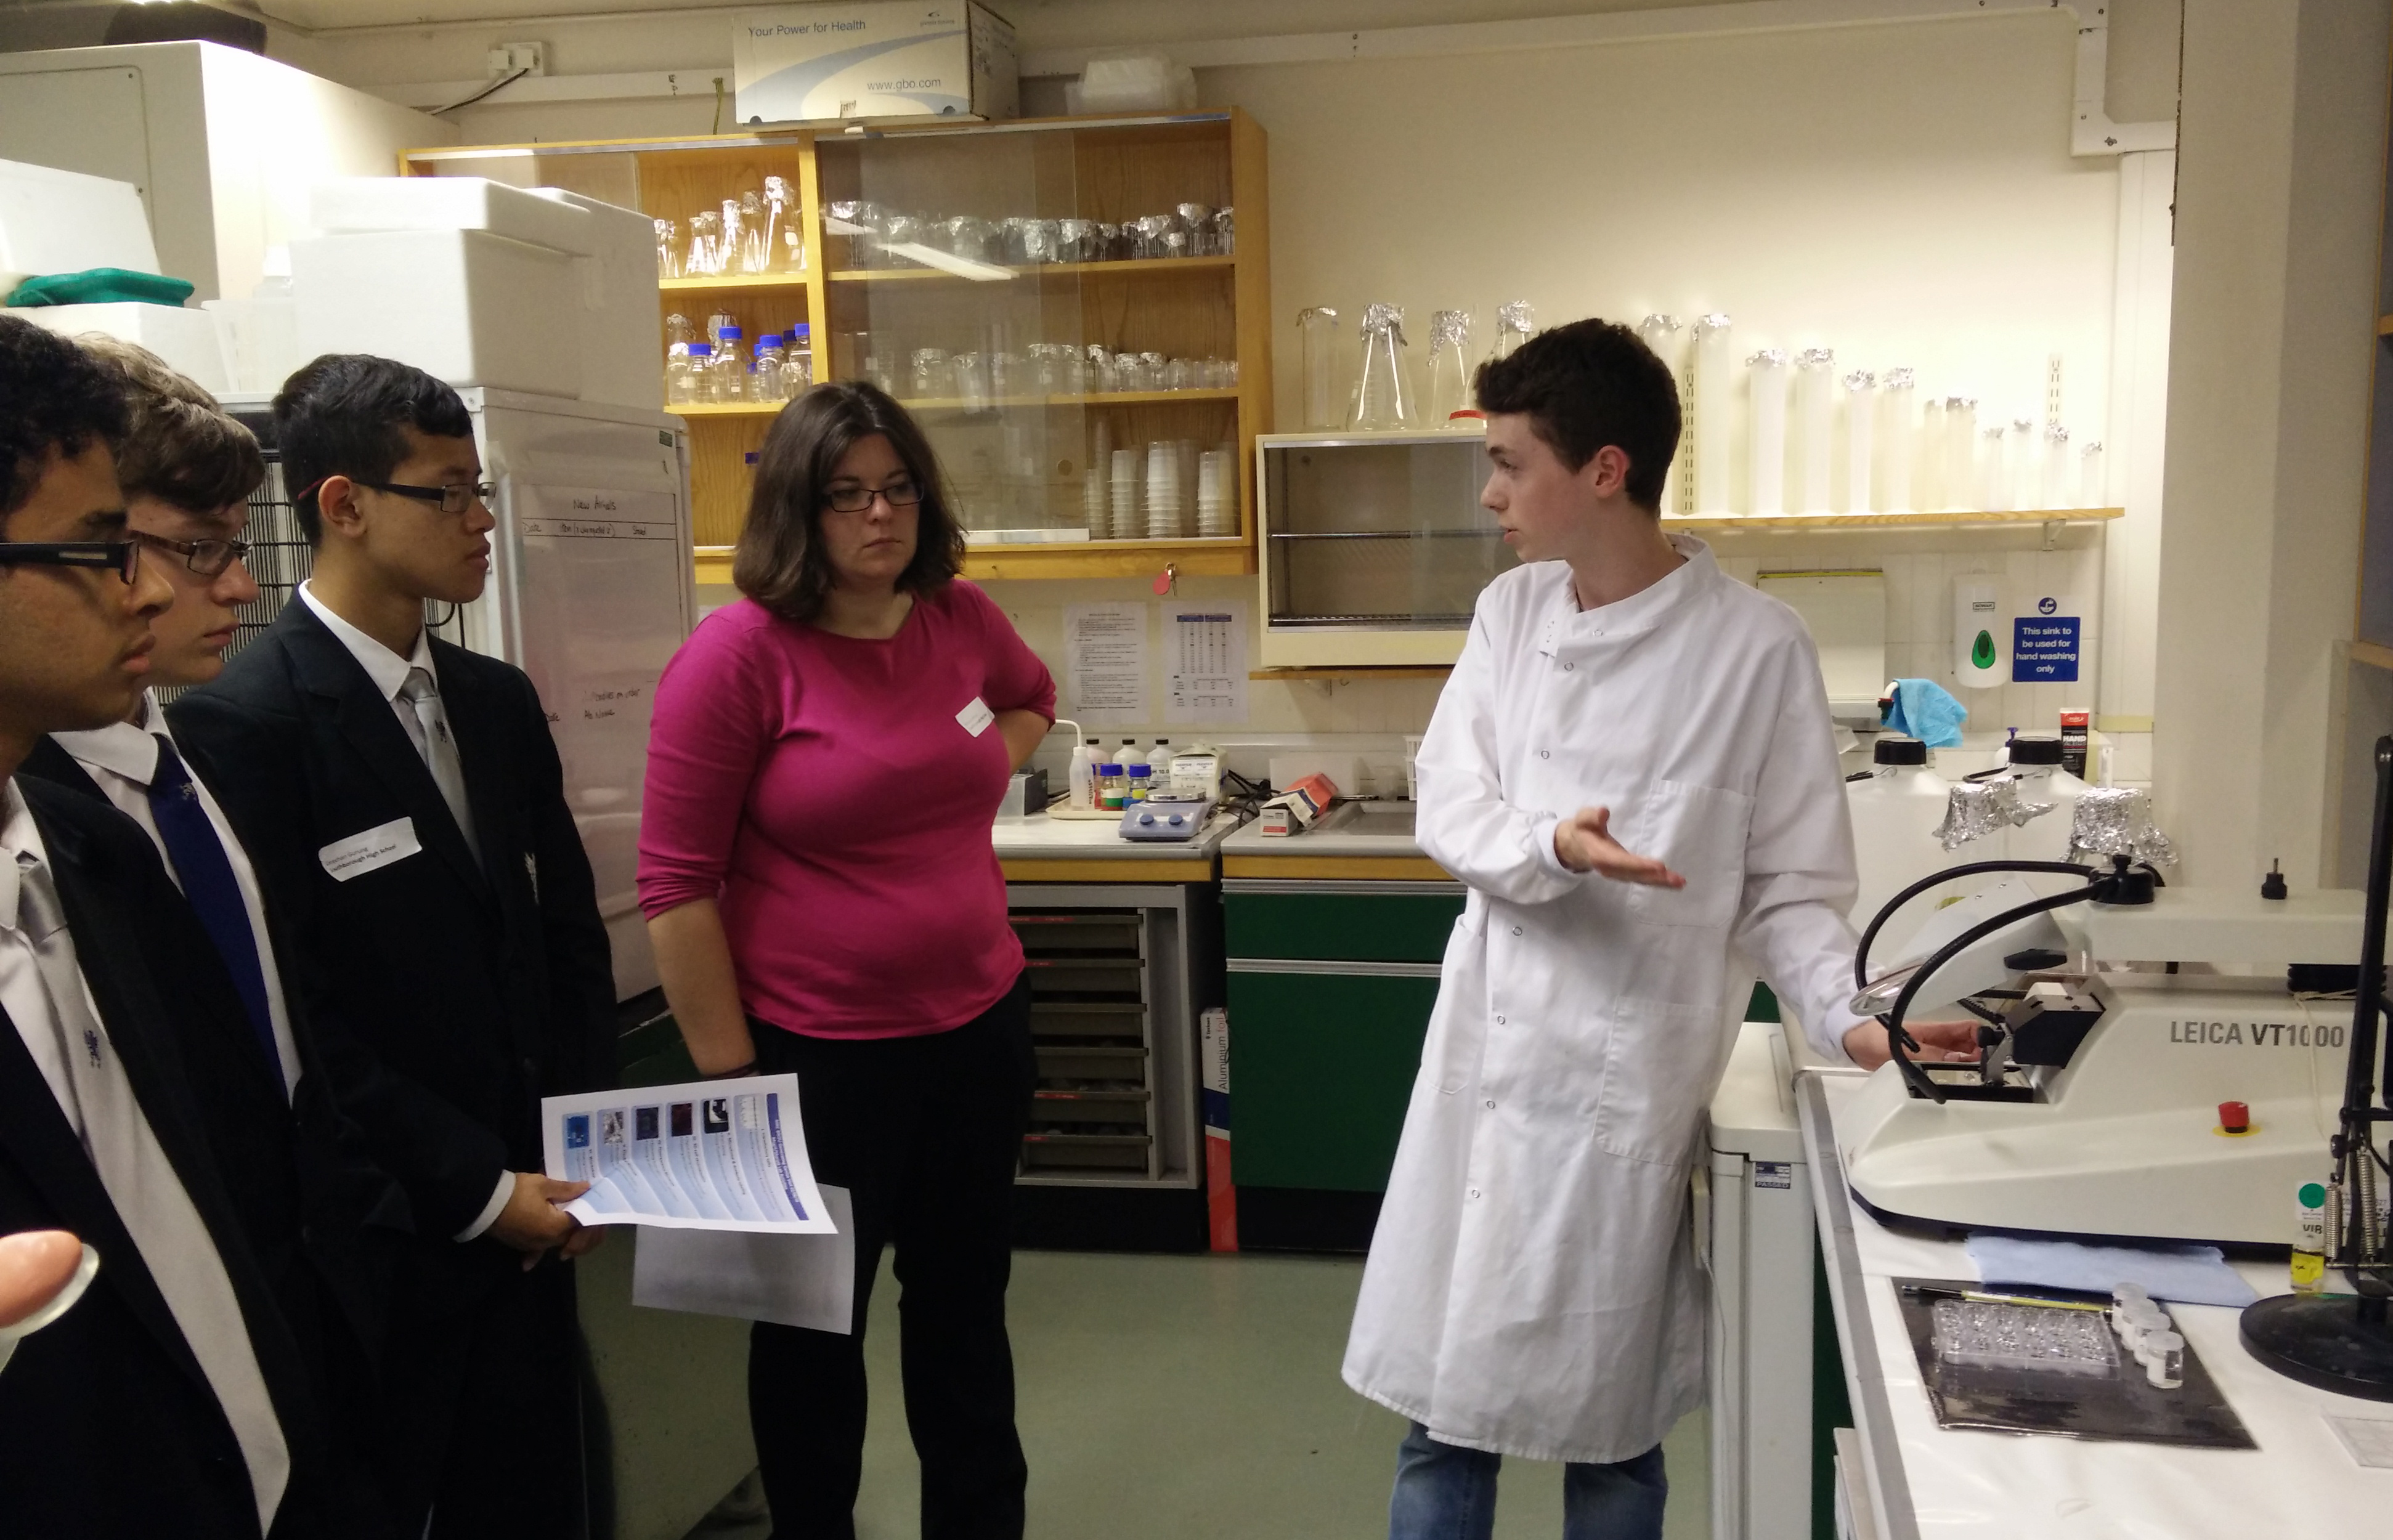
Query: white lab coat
[[1532, 1287]]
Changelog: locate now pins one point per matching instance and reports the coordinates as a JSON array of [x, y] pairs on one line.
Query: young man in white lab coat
[[1633, 770]]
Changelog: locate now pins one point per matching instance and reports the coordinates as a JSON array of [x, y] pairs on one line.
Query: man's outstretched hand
[[1583, 843], [1940, 1043]]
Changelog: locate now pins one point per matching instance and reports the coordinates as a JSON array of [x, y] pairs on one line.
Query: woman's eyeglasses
[[207, 558], [124, 555], [855, 500]]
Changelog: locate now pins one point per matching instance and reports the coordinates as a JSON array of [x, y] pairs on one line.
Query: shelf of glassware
[[1159, 267], [1799, 523], [1228, 556], [947, 404], [796, 283]]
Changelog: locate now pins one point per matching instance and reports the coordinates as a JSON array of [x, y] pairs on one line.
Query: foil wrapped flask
[[2058, 471], [1383, 395], [1450, 367], [1975, 809], [1898, 437], [1766, 473], [1318, 327], [1959, 487], [2093, 486], [1815, 370], [1715, 369], [2023, 459], [1668, 338], [1861, 433], [1514, 324], [1994, 471], [2117, 820]]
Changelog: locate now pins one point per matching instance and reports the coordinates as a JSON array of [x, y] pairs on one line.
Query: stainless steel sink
[[1392, 820]]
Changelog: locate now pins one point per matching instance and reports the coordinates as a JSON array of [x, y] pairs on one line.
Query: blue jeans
[[1447, 1492]]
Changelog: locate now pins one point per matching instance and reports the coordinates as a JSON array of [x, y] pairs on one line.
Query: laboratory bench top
[[1041, 849], [1354, 841], [1920, 1479]]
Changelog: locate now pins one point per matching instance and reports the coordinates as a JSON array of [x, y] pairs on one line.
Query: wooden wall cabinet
[[1016, 455]]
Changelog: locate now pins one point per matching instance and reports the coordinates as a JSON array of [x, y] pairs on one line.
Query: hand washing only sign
[[2044, 645]]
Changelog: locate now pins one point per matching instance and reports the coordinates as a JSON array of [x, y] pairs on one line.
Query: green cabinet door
[[1378, 927], [1321, 1068]]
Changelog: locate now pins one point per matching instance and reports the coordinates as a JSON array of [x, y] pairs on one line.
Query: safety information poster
[[1105, 663], [713, 1154]]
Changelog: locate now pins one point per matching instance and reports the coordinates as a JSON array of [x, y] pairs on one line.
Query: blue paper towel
[[1925, 710], [2188, 1274]]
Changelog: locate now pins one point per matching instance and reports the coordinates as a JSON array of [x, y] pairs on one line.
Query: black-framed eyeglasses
[[453, 498], [855, 500], [207, 558], [123, 555]]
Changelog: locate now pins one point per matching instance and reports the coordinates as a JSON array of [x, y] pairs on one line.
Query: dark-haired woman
[[816, 867]]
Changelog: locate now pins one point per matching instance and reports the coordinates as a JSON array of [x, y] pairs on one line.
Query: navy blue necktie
[[199, 856]]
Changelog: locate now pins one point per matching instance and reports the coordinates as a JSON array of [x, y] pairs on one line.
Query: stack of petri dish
[[1217, 500], [1167, 494], [1127, 521]]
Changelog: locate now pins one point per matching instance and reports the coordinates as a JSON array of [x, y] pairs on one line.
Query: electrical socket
[[508, 57]]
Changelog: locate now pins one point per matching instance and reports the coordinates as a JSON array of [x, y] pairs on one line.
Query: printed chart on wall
[[599, 592], [1205, 662], [696, 1156], [1104, 663]]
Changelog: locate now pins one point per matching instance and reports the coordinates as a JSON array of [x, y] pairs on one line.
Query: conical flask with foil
[[1383, 398], [1450, 367]]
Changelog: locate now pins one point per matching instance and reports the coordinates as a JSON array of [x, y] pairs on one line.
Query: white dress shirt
[[389, 671], [42, 986], [121, 758]]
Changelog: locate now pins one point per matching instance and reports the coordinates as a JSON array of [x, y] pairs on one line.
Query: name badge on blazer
[[377, 847]]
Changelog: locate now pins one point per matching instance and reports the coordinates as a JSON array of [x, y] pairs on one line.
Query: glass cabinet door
[[1056, 308], [1378, 534]]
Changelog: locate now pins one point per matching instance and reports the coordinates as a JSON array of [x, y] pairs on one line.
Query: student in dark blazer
[[325, 1222], [172, 1398], [403, 803]]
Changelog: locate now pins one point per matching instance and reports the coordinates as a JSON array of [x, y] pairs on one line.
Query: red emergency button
[[2234, 1117]]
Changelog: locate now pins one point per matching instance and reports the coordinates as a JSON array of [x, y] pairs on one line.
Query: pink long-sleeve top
[[834, 795]]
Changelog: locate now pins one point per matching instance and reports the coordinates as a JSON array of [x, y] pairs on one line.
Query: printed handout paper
[[793, 1280], [715, 1154]]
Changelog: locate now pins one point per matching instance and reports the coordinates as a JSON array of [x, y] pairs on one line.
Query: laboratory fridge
[[590, 593]]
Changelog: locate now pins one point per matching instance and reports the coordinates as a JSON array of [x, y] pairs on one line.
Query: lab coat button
[[1475, 1192], [1567, 667], [1516, 930], [1545, 753], [1491, 1105], [1499, 1020]]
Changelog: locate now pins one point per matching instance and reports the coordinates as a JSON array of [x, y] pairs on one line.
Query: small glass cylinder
[[2058, 472], [1715, 386], [1861, 425], [1993, 472], [2162, 1356], [1514, 322], [1668, 338], [1449, 371], [1382, 396], [2023, 460], [972, 381], [1767, 416], [2093, 486], [1896, 494], [1814, 385], [1959, 483]]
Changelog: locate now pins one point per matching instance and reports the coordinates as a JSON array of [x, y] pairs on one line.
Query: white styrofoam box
[[467, 307], [362, 205], [65, 222], [622, 339], [187, 340], [261, 341], [874, 58]]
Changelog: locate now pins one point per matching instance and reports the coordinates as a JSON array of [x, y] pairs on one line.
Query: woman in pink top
[[827, 757]]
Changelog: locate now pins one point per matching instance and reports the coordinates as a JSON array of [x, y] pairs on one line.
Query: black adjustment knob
[[2272, 885], [2035, 959]]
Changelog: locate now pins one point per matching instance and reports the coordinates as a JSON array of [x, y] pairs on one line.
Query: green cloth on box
[[100, 286]]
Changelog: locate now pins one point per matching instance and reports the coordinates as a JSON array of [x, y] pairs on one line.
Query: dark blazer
[[472, 988], [107, 1424], [317, 1210]]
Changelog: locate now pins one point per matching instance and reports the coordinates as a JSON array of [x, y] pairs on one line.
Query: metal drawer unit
[[1112, 1020]]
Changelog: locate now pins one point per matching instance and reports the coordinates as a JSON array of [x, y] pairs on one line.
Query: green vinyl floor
[[1195, 1398]]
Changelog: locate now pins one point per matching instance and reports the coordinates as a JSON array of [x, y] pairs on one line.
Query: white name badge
[[378, 846], [976, 717]]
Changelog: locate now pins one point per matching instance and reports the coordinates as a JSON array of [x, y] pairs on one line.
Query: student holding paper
[[815, 864]]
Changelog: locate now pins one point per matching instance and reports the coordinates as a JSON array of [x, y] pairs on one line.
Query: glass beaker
[[1382, 396], [782, 251], [705, 235], [755, 243], [1767, 473], [1514, 324], [1449, 372], [1861, 423], [1897, 434], [668, 248], [1715, 388], [1317, 330], [1815, 382]]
